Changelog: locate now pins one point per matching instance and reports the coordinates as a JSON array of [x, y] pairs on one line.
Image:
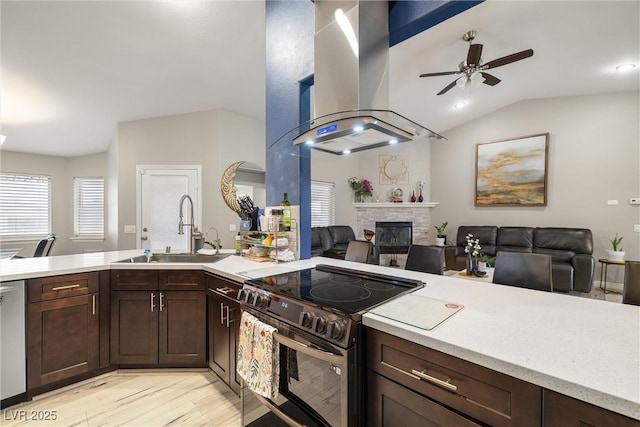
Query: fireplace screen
[[394, 237]]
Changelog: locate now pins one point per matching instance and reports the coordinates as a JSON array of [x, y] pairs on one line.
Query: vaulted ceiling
[[72, 70]]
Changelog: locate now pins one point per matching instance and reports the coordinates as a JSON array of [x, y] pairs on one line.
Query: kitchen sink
[[177, 258]]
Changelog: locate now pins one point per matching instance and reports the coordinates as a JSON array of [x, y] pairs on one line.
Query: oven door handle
[[276, 410], [326, 356]]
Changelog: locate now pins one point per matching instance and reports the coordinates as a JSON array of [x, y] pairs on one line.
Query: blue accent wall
[[290, 27], [408, 18]]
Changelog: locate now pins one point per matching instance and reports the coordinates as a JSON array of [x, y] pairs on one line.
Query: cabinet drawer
[[484, 394], [390, 404], [223, 287], [134, 280], [181, 280], [49, 288]]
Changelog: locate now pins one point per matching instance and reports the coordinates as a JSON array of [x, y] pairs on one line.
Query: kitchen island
[[579, 347]]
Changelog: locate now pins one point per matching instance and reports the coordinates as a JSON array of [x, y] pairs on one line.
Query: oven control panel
[[330, 326]]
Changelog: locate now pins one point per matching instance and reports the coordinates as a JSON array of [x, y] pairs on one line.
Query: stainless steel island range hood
[[351, 88]]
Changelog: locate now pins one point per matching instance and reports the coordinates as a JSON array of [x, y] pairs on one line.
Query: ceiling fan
[[473, 69]]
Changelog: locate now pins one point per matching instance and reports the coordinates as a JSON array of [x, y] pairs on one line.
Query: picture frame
[[512, 172]]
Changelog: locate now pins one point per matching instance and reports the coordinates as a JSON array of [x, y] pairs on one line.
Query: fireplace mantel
[[396, 205]]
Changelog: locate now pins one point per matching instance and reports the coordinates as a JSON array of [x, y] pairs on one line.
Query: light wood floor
[[133, 398]]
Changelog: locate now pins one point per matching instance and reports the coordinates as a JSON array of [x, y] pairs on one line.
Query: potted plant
[[441, 238], [617, 254], [485, 261]]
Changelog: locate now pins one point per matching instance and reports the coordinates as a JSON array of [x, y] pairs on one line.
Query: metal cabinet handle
[[94, 305], [153, 306], [444, 384], [228, 315], [161, 301], [222, 291], [60, 288]]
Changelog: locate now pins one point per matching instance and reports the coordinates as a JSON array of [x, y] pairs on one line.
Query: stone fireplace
[[418, 214]]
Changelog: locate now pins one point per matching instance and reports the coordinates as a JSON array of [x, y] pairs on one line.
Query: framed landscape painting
[[512, 172]]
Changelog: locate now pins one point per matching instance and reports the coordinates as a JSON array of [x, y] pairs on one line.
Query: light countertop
[[585, 348]]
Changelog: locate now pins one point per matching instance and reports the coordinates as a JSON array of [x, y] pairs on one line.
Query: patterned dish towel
[[258, 356]]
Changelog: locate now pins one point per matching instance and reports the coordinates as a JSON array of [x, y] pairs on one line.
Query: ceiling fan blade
[[473, 56], [508, 59], [446, 89], [444, 73], [490, 80]]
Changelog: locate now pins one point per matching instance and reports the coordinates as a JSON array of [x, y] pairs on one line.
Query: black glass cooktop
[[346, 290]]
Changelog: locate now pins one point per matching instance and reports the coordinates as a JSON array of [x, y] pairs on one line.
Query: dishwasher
[[13, 370]]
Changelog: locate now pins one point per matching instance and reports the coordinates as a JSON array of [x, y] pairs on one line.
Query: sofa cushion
[[341, 234], [486, 234], [515, 239], [557, 255], [576, 240], [320, 240]]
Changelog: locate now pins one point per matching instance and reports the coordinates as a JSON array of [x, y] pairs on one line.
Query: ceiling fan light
[[462, 81], [477, 77]]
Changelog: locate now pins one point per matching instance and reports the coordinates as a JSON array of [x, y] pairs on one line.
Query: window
[[25, 208], [323, 211], [88, 207]]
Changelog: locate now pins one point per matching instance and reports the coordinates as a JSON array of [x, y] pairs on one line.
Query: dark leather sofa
[[331, 241], [571, 250]]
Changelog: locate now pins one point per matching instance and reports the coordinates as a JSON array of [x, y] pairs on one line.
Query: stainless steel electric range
[[318, 313]]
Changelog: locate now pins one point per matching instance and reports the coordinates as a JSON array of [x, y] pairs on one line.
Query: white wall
[[366, 165], [594, 156], [62, 170], [213, 139]]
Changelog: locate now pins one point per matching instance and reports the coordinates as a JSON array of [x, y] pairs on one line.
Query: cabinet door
[[62, 339], [183, 333], [134, 327], [390, 404], [219, 335], [560, 411], [223, 318]]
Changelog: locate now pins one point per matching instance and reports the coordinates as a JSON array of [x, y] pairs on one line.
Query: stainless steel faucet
[[216, 241], [191, 224]]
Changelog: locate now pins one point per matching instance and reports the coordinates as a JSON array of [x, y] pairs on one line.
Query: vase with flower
[[472, 249], [361, 187], [420, 185]]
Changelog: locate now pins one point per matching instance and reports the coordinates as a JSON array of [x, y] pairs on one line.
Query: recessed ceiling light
[[393, 141], [358, 128], [625, 67], [2, 138], [346, 152], [309, 142]]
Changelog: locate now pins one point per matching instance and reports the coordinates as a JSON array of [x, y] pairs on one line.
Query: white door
[[160, 191]]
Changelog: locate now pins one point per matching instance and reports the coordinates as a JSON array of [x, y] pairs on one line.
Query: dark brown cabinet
[[561, 411], [63, 329], [223, 317], [158, 326], [390, 404], [449, 385]]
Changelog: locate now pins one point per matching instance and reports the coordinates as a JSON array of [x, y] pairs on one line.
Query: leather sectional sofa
[[331, 241], [571, 250]]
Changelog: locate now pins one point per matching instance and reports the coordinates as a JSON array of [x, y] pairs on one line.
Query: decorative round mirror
[[394, 169]]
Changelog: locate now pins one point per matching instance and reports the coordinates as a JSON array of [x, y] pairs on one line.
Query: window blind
[[25, 207], [88, 207], [323, 210]]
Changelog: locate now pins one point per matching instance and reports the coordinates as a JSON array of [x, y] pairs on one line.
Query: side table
[[604, 266]]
